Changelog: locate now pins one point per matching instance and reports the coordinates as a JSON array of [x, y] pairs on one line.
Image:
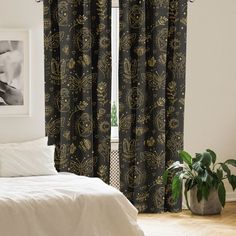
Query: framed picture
[[14, 72]]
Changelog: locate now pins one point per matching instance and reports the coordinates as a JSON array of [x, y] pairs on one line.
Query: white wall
[[210, 117], [29, 15]]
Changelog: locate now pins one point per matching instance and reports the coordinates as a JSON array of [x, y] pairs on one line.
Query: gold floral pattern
[[84, 39], [136, 16], [152, 89], [61, 15], [77, 39], [52, 41], [135, 98]]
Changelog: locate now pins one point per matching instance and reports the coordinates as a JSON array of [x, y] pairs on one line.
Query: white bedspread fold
[[64, 205]]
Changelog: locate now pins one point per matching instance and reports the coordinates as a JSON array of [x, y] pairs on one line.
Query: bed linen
[[64, 205], [27, 161]]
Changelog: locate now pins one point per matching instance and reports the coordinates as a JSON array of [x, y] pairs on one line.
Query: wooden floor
[[186, 224]]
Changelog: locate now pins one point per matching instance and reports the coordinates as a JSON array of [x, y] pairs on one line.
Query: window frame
[[115, 65]]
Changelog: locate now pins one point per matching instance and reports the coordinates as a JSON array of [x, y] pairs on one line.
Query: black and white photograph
[[11, 73], [14, 72]]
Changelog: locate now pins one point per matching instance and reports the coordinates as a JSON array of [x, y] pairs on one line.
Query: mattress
[[64, 205]]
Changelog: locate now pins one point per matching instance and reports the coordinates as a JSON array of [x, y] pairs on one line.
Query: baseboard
[[230, 197]]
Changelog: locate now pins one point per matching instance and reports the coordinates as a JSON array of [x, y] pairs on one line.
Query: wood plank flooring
[[186, 224]]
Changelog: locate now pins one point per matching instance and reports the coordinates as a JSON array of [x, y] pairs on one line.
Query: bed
[[64, 205]]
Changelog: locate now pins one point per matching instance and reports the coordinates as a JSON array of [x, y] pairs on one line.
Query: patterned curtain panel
[[78, 84], [152, 90]]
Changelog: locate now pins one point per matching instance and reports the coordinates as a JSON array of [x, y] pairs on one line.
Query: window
[[115, 69]]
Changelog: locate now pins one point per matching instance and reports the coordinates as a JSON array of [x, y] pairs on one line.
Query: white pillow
[[41, 142], [26, 161]]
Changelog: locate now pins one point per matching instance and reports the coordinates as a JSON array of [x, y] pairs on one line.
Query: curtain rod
[[38, 1]]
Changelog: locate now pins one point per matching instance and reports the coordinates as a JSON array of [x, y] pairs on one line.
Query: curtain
[[78, 84], [152, 91]]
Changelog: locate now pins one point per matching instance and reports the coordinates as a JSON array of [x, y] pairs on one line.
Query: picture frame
[[15, 73]]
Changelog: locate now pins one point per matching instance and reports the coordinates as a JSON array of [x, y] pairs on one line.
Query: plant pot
[[212, 206]]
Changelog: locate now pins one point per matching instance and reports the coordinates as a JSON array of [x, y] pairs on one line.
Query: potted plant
[[203, 177]]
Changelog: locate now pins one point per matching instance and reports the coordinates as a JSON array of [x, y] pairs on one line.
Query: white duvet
[[64, 205]]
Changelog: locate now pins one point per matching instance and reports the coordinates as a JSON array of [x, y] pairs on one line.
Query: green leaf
[[198, 181], [199, 194], [186, 157], [182, 175], [197, 167], [215, 179], [226, 169], [206, 159], [198, 155], [197, 158], [206, 178], [175, 165], [165, 176], [219, 174], [231, 162], [232, 181], [221, 193], [187, 184], [176, 187], [213, 155], [186, 198], [205, 191]]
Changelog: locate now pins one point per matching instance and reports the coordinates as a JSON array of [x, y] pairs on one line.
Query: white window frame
[[115, 64]]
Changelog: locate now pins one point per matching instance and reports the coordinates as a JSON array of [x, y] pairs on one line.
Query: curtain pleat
[[78, 84], [151, 91]]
